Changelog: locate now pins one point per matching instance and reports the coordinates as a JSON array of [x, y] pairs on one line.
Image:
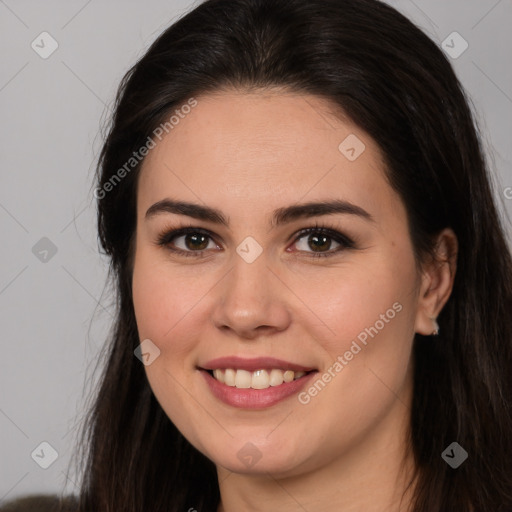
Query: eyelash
[[165, 238]]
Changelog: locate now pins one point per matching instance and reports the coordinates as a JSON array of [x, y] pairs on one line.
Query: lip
[[255, 398], [251, 365]]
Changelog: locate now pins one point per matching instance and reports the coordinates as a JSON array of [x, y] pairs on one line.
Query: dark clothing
[[41, 503]]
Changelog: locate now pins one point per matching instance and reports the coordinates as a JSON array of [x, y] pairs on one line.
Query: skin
[[247, 154]]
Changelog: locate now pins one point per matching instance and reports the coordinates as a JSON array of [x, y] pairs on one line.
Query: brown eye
[[319, 242], [196, 241], [187, 241], [322, 242]]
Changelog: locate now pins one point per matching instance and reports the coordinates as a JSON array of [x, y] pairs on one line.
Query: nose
[[252, 301]]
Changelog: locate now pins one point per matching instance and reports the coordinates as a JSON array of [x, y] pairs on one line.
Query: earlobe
[[436, 283]]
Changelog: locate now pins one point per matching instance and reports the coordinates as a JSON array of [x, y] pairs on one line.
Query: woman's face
[[246, 285]]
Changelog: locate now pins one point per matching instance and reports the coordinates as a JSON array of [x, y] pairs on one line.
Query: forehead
[[259, 150]]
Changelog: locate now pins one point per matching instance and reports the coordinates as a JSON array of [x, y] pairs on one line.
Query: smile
[[259, 379], [254, 383]]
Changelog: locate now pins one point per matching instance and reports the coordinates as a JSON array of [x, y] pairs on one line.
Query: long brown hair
[[407, 98]]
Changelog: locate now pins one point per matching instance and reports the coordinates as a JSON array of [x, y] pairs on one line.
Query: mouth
[[259, 379], [254, 383]]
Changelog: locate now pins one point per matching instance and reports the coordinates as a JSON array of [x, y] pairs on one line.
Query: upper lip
[[253, 364]]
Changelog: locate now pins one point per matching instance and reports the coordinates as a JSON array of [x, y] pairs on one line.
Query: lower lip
[[255, 398]]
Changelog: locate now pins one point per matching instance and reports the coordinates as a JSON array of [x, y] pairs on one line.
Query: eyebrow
[[280, 216]]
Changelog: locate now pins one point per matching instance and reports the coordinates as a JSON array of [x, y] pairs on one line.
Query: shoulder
[[41, 503]]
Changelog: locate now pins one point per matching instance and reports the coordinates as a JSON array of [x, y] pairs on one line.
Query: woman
[[314, 286]]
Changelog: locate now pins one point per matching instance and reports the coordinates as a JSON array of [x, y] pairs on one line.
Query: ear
[[437, 279]]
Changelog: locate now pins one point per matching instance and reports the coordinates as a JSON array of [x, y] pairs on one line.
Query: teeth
[[288, 376], [243, 379], [229, 377], [219, 375], [276, 377], [260, 379]]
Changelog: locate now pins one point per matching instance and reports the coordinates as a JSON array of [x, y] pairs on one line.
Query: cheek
[[167, 312], [370, 313], [352, 300], [164, 301]]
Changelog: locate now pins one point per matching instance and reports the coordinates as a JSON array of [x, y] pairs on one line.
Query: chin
[[249, 459]]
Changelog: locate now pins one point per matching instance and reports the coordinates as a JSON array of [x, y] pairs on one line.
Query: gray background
[[55, 314]]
